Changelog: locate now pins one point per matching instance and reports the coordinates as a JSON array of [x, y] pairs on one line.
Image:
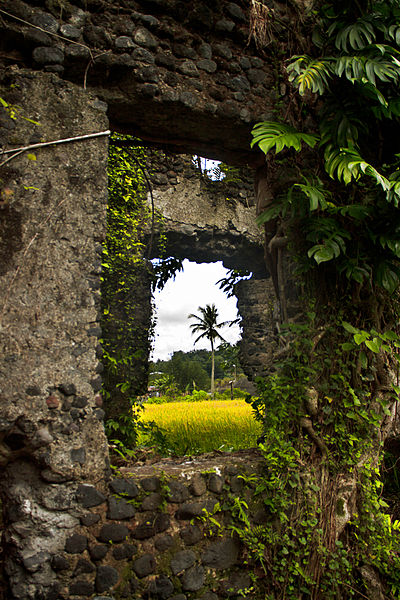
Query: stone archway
[[53, 449], [208, 221]]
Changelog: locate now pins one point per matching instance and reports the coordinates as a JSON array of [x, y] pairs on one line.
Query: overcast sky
[[193, 287]]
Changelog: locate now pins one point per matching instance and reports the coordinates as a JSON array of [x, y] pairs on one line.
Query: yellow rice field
[[194, 427]]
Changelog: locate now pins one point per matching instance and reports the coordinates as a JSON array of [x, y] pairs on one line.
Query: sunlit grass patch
[[195, 427]]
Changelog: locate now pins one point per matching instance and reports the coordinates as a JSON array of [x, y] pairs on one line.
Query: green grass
[[195, 427]]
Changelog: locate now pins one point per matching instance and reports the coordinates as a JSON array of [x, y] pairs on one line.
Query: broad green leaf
[[390, 336], [316, 194], [388, 276], [358, 35], [348, 327], [270, 134], [374, 344], [270, 213], [347, 346], [321, 253], [308, 74], [356, 211], [351, 415], [360, 338], [363, 360]]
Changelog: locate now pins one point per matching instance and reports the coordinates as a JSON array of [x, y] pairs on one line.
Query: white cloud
[[193, 287]]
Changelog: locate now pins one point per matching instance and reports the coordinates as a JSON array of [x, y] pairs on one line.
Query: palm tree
[[208, 326]]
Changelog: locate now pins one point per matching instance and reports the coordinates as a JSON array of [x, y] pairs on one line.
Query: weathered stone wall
[[52, 220], [183, 73], [172, 73], [151, 536], [206, 221], [259, 310]]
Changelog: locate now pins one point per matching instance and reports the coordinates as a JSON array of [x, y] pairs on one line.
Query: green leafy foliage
[[315, 192], [325, 406], [122, 263], [165, 269], [126, 278], [308, 74], [357, 35], [227, 283], [268, 135], [356, 52]]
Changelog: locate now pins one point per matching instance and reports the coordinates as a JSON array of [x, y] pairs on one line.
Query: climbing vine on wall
[[128, 280], [126, 318], [330, 404]]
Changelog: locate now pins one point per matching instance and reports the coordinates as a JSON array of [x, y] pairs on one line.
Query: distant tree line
[[193, 369]]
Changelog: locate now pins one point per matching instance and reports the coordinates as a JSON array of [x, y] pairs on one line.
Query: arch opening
[[205, 220]]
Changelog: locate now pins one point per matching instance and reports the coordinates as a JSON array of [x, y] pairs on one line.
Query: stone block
[[191, 535], [125, 551], [191, 510], [59, 562], [81, 588], [44, 55], [178, 492], [45, 21], [197, 485], [98, 552], [152, 501], [145, 565], [193, 579], [84, 566], [88, 496], [76, 543], [164, 542], [119, 509], [113, 532], [124, 487], [182, 560], [161, 588], [222, 554], [144, 38], [106, 578]]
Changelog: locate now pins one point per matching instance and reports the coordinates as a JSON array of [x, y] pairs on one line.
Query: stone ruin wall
[[171, 73], [51, 225], [163, 531], [209, 221]]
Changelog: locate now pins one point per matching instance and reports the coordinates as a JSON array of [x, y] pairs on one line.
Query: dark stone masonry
[[185, 78], [174, 72], [165, 548]]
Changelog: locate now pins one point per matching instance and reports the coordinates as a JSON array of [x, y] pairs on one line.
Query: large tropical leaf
[[393, 194], [387, 275], [364, 69], [341, 123], [393, 33], [346, 164], [309, 74], [330, 238], [272, 212], [358, 35], [270, 134], [315, 192]]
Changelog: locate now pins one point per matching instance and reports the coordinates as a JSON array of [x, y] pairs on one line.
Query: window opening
[[209, 168], [197, 285], [180, 397], [216, 170]]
